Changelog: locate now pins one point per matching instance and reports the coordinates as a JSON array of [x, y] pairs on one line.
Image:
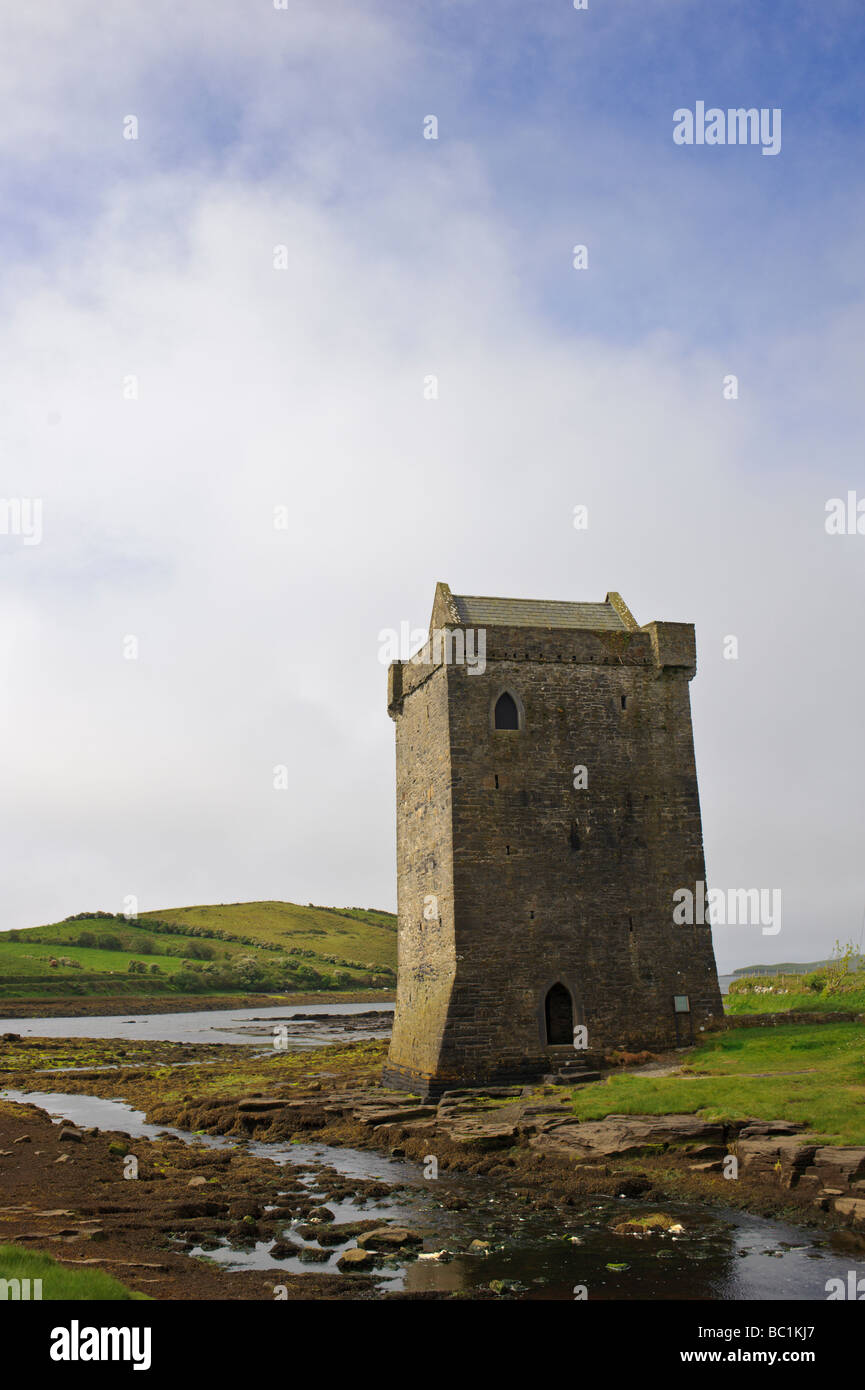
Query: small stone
[[197, 1182], [70, 1135], [355, 1259], [284, 1249]]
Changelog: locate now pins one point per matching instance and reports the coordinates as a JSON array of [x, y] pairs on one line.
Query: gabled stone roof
[[523, 612]]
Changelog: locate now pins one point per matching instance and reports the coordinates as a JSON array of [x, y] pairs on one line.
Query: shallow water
[[722, 1253], [207, 1026]]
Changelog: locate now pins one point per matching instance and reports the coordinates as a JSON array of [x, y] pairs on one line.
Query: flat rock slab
[[850, 1161], [260, 1106], [479, 1092], [387, 1115], [853, 1208], [791, 1153], [388, 1238], [627, 1134], [755, 1129], [483, 1131]]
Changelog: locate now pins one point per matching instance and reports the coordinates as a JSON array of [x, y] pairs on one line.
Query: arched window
[[507, 715], [559, 1013]]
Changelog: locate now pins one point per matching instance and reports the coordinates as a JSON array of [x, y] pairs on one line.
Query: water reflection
[[215, 1025]]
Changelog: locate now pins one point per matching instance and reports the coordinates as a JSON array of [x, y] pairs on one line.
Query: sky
[[215, 345]]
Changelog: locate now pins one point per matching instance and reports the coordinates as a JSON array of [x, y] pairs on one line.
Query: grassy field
[[59, 1281], [224, 948], [814, 1074], [351, 932], [828, 990]]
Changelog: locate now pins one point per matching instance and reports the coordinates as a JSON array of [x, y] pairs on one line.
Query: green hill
[[225, 948]]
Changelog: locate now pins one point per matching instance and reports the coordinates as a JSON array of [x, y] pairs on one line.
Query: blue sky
[[408, 256]]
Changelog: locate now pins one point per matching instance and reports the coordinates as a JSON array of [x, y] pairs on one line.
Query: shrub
[[188, 982], [196, 950], [815, 981]]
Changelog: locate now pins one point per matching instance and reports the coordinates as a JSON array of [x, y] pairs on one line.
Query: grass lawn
[[796, 999], [59, 1281], [812, 1074], [33, 960]]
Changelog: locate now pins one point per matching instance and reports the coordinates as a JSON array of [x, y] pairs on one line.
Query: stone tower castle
[[547, 811]]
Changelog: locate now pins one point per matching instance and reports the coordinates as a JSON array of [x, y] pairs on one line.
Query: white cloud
[[260, 387]]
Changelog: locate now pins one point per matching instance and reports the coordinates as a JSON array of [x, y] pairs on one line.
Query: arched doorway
[[559, 1014]]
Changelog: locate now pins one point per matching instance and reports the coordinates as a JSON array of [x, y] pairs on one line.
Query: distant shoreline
[[111, 1006]]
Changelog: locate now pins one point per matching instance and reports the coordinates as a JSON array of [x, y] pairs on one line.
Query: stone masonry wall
[[426, 965], [539, 882]]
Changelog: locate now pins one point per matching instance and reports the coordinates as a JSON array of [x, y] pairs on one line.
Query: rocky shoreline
[[467, 1130], [526, 1140]]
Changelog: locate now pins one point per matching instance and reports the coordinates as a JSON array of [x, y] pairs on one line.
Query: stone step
[[576, 1076]]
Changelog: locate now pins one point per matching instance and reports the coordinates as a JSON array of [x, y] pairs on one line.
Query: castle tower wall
[[426, 954], [540, 882]]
